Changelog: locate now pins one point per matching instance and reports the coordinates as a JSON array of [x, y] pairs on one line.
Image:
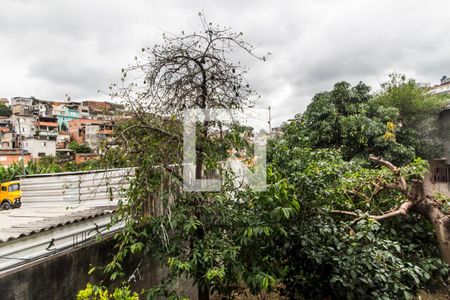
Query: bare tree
[[189, 71], [186, 71]]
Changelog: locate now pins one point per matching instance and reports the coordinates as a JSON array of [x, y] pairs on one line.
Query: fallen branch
[[402, 186], [402, 210], [385, 163]]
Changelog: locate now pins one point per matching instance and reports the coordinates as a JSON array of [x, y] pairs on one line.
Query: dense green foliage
[[415, 104], [348, 119], [287, 239], [5, 111], [79, 148], [45, 165], [418, 114], [332, 255], [93, 292], [63, 127], [284, 239], [399, 123]]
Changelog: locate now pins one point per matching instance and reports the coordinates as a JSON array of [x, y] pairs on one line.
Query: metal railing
[[440, 174]]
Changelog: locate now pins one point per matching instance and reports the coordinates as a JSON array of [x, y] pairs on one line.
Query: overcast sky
[[49, 48]]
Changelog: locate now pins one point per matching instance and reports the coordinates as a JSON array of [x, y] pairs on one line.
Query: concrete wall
[[21, 101], [91, 136], [430, 186], [7, 140], [37, 146], [8, 159], [27, 128], [62, 275]]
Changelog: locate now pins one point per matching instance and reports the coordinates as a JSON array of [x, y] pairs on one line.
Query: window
[[13, 187], [41, 154], [3, 188], [441, 174]]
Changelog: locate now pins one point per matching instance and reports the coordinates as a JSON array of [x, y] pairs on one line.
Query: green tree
[[5, 111], [63, 127], [325, 227], [79, 148], [328, 225], [45, 165], [414, 103], [186, 71], [358, 232], [418, 113], [348, 119]]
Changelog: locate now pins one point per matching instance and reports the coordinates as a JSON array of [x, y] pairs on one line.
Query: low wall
[[431, 187], [62, 275]]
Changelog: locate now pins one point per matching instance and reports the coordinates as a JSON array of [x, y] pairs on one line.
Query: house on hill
[[442, 88]]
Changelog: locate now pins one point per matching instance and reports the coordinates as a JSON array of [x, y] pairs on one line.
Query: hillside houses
[[40, 128], [442, 88]]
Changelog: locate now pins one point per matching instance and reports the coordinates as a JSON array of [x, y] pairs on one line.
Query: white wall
[[440, 89], [91, 137], [21, 101], [37, 147], [27, 127], [62, 138]]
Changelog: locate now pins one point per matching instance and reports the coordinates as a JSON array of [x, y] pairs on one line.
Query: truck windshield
[[14, 187]]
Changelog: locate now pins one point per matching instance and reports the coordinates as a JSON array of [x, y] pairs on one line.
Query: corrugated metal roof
[[52, 200], [76, 187], [24, 221], [124, 170], [40, 245], [60, 211]]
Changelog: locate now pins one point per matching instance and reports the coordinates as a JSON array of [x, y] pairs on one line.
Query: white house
[[27, 126], [39, 148], [443, 88], [91, 136], [21, 101]]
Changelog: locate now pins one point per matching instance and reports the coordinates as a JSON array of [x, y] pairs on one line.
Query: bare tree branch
[[402, 210], [402, 185], [385, 163]]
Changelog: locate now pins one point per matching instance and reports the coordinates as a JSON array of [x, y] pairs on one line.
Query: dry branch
[[402, 210], [385, 163]]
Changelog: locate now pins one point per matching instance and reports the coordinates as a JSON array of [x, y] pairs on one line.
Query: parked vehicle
[[10, 195]]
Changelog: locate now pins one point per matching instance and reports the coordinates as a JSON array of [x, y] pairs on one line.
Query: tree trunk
[[425, 204], [441, 223], [201, 140], [203, 293]]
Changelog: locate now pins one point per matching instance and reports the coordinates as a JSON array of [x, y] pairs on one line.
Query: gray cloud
[[50, 48]]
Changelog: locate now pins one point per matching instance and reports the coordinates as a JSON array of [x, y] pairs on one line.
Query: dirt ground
[[422, 296], [251, 297], [434, 296]]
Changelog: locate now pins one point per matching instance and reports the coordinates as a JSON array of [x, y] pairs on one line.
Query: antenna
[[270, 120]]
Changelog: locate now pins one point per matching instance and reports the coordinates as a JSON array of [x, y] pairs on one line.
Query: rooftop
[[60, 210], [49, 124], [13, 152], [31, 219]]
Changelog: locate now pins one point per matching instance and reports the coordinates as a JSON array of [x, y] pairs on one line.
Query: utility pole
[[270, 121], [21, 145]]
